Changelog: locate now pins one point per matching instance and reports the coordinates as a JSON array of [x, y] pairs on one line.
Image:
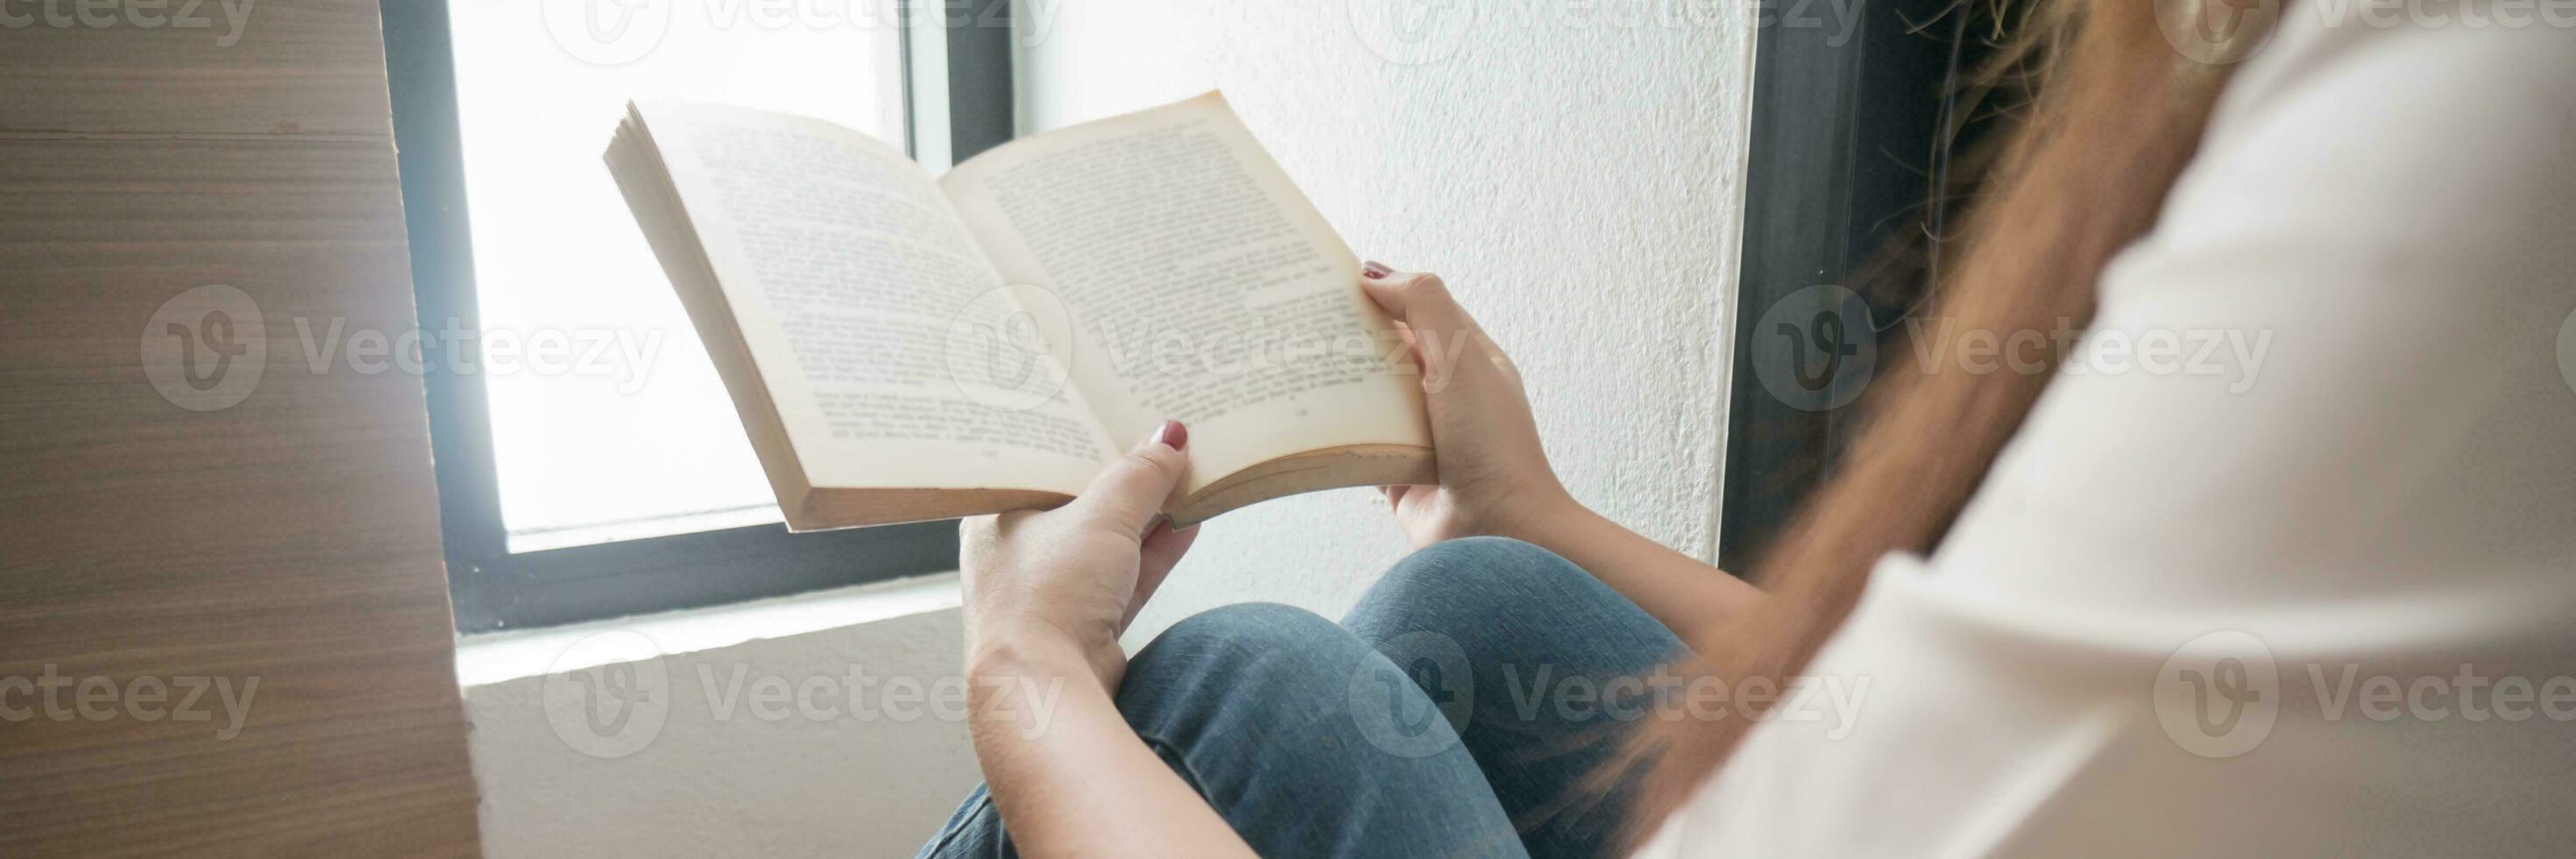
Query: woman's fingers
[[1130, 492], [1440, 332], [1418, 299], [1163, 549]]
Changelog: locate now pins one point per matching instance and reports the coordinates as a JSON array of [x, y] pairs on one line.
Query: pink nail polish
[[1172, 434], [1374, 269]]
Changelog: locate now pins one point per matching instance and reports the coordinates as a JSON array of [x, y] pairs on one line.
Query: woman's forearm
[[1068, 774], [1686, 595]]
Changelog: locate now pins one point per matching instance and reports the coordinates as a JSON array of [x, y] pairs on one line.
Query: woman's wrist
[[1039, 650], [1534, 515]]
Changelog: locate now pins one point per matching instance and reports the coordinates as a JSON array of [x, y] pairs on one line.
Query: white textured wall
[[827, 765], [1576, 175]]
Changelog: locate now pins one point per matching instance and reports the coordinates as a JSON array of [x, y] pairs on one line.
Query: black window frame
[[493, 588], [1845, 168]]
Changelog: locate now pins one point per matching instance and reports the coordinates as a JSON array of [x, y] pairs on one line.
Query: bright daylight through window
[[608, 422]]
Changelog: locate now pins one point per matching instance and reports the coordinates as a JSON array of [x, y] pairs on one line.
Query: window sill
[[486, 658]]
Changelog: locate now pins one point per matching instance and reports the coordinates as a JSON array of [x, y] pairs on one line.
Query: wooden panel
[[290, 537], [295, 69]]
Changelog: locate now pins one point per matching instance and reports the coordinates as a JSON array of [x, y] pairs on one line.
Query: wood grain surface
[[292, 537]]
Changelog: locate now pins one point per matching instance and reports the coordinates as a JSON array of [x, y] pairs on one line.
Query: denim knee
[[1459, 566], [1308, 740], [1487, 589], [1500, 599], [1536, 648], [1236, 658], [1254, 636], [1269, 713], [1263, 622]]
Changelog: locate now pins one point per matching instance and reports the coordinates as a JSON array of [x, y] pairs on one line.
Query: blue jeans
[[1457, 711]]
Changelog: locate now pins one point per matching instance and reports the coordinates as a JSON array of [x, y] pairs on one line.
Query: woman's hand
[[1056, 587], [1495, 480], [1494, 476], [1047, 593]]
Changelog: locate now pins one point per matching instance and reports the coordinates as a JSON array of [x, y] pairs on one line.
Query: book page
[[870, 313], [1200, 284]]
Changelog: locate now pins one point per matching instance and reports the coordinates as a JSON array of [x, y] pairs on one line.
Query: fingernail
[[1172, 435], [1374, 269]]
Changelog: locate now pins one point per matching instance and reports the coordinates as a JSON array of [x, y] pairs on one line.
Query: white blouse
[[2300, 582]]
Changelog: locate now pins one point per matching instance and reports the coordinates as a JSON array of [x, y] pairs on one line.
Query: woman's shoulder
[[2330, 367]]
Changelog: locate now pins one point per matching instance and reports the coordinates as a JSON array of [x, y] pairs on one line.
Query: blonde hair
[[2113, 112]]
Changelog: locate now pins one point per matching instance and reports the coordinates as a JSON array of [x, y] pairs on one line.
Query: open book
[[904, 348]]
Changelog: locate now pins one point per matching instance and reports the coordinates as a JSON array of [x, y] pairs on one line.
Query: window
[[589, 461], [1846, 139]]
